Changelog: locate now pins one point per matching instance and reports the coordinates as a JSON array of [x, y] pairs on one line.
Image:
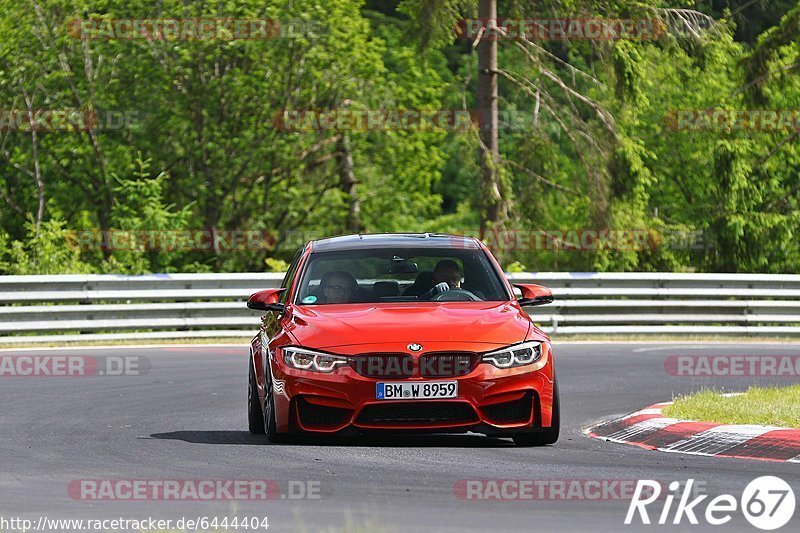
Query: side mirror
[[534, 295], [266, 300]]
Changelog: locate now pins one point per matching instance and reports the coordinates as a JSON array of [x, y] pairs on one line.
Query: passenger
[[338, 287]]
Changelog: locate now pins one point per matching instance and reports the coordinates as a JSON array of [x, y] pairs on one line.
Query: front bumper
[[490, 400]]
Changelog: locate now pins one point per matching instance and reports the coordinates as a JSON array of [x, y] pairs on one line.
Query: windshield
[[405, 275]]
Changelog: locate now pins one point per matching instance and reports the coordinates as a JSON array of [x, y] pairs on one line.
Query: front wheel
[[255, 417], [268, 420], [548, 435]]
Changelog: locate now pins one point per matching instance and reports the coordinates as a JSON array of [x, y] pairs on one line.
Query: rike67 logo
[[767, 502]]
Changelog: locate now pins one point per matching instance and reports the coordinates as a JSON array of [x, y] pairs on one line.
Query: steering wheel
[[437, 289], [455, 295]]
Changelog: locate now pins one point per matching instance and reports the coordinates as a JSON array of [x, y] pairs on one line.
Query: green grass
[[765, 406]]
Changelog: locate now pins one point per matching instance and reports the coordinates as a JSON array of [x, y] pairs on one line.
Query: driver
[[447, 271], [446, 276], [338, 287]]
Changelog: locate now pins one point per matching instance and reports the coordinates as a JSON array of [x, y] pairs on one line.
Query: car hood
[[473, 326]]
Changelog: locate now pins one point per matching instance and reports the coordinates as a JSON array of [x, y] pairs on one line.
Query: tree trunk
[[493, 205], [37, 172], [348, 182]]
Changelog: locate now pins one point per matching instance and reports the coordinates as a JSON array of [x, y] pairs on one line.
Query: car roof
[[394, 240]]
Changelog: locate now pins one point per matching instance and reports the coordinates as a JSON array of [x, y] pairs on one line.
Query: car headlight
[[525, 353], [303, 359]]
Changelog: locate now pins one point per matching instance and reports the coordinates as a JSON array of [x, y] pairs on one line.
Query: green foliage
[[50, 249], [516, 266], [275, 265], [585, 144], [437, 20], [139, 212]]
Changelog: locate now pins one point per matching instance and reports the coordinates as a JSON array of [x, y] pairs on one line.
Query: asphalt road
[[184, 418]]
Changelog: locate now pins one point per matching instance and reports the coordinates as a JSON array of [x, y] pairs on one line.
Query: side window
[[290, 275]]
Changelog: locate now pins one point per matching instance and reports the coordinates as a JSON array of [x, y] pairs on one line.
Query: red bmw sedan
[[401, 332]]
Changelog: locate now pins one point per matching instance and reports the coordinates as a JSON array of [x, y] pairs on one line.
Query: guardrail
[[159, 306]]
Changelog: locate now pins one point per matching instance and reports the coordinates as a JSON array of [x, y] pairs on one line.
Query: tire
[[268, 419], [255, 416], [548, 435], [269, 422]]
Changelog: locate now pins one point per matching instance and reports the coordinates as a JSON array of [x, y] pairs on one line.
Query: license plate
[[414, 391]]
